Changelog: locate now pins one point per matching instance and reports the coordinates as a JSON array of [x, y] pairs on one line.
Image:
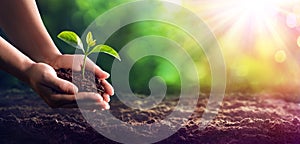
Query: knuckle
[[96, 96], [46, 75], [65, 87], [62, 86]]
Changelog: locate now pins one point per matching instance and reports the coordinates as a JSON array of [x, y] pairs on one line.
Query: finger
[[106, 97], [83, 99], [60, 85], [98, 71], [70, 61], [53, 99], [89, 97], [89, 100], [89, 106], [108, 88], [67, 61], [76, 62]]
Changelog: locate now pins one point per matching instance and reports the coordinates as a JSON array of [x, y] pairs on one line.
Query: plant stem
[[87, 50], [84, 61], [83, 66]]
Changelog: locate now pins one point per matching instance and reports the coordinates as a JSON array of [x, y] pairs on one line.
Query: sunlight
[[250, 22], [263, 35], [255, 23], [258, 8]]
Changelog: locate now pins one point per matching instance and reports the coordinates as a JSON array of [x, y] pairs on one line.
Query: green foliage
[[105, 49], [74, 40], [147, 67], [89, 40]]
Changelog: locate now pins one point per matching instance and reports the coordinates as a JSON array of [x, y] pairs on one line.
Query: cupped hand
[[58, 92], [75, 62]]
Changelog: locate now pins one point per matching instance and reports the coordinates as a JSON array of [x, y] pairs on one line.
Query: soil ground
[[243, 118]]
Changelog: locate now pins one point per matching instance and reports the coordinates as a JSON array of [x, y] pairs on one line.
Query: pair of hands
[[57, 92]]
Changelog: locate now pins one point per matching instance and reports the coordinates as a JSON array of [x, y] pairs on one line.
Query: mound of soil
[[90, 83]]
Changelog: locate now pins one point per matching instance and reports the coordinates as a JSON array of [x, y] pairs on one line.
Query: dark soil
[[242, 118], [90, 83]]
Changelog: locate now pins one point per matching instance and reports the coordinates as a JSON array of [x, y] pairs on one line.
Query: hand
[[66, 61], [58, 92]]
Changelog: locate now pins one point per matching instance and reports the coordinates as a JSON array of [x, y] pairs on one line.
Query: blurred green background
[[259, 57], [59, 15], [77, 15]]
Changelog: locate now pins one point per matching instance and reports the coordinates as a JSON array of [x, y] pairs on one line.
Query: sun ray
[[257, 32]]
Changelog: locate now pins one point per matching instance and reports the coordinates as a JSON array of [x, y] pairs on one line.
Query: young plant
[[74, 40]]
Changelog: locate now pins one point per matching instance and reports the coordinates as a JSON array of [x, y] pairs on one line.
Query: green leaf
[[72, 39], [105, 49], [89, 40]]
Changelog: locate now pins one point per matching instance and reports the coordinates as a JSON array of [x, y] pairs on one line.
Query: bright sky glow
[[258, 8], [261, 34], [249, 24]]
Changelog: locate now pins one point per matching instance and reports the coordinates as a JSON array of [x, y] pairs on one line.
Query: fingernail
[[100, 97], [106, 96], [112, 92], [107, 107], [75, 89], [107, 74]]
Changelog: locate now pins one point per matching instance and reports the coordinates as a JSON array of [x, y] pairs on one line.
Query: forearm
[[13, 61], [21, 21]]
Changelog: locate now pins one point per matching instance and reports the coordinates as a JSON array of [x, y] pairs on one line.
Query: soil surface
[[242, 118]]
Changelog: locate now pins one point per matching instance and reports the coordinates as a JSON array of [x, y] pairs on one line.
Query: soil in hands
[[90, 83]]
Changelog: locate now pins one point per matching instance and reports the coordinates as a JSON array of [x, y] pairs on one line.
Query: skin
[[33, 56]]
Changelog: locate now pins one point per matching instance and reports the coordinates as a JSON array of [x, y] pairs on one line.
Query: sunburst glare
[[261, 33]]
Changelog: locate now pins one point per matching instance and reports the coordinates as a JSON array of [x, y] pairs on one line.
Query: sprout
[[74, 40]]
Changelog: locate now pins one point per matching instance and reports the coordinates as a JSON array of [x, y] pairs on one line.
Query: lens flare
[[256, 33]]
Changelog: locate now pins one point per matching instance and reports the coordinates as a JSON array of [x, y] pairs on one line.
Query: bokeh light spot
[[280, 56], [291, 21], [298, 41]]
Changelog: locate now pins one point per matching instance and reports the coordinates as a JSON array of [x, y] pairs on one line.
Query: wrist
[[51, 60], [26, 66], [48, 53]]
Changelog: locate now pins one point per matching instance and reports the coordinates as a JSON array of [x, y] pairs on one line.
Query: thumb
[[61, 85]]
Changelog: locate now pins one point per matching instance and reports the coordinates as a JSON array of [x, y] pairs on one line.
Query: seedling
[[74, 40]]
